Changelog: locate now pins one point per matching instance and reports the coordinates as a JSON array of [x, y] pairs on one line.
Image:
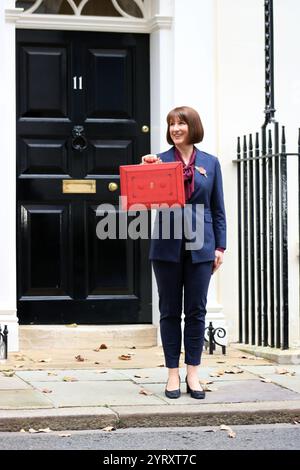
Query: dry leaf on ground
[[125, 357], [22, 430], [8, 374], [79, 358], [46, 390], [141, 376], [64, 435], [268, 381], [234, 370], [45, 430], [69, 379], [45, 360], [72, 325], [102, 346], [145, 392], [210, 430], [223, 427], [108, 429], [205, 382], [207, 388], [161, 365], [52, 373], [217, 374], [231, 434]]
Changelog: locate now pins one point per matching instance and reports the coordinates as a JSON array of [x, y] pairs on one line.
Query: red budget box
[[157, 183]]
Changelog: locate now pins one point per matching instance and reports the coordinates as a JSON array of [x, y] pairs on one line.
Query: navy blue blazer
[[209, 192]]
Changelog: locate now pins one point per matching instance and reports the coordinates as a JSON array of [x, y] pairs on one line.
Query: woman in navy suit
[[178, 267]]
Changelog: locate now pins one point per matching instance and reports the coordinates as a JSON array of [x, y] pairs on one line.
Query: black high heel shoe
[[198, 394], [173, 393]]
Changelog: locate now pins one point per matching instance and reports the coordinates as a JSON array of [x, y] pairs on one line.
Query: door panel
[[98, 81], [49, 66]]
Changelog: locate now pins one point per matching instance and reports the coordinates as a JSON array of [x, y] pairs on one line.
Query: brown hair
[[192, 119]]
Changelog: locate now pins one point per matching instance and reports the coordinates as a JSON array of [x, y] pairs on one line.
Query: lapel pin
[[201, 170]]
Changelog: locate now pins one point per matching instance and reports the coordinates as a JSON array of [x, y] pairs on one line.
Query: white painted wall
[[240, 105]]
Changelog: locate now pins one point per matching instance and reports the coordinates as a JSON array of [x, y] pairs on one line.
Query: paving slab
[[57, 375], [96, 393], [231, 392], [265, 370], [291, 383], [22, 399], [153, 375], [13, 383]]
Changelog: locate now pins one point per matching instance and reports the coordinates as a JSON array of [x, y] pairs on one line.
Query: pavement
[[124, 387]]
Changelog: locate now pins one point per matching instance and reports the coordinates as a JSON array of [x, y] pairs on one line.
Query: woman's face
[[179, 131]]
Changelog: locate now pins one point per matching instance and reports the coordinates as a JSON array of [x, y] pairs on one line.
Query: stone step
[[83, 336]]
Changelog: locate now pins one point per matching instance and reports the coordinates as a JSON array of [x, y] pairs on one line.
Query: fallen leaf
[[22, 430], [206, 388], [46, 430], [46, 390], [52, 373], [296, 422], [79, 358], [101, 372], [9, 374], [161, 365], [132, 347], [282, 371], [32, 430], [223, 427], [234, 370], [45, 360], [18, 366], [102, 346], [145, 392], [268, 381], [72, 325], [205, 382], [97, 363], [216, 374], [221, 362], [64, 435], [141, 376], [210, 430], [232, 434], [69, 379], [125, 357], [109, 429]]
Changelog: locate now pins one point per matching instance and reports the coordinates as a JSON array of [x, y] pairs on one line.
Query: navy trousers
[[172, 279]]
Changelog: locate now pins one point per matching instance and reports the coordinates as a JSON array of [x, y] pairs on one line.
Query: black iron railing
[[263, 220], [263, 237]]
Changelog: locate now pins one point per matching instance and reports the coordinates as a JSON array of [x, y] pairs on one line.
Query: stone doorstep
[[150, 416], [82, 336], [279, 356]]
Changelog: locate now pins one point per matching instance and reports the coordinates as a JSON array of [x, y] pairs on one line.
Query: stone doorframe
[[159, 24]]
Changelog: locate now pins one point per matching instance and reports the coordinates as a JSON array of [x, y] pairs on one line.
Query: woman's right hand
[[146, 159]]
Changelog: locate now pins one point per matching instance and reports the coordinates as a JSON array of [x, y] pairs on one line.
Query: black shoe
[[198, 394], [173, 393]]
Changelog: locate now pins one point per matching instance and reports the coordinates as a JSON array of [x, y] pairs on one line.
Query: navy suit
[[177, 269]]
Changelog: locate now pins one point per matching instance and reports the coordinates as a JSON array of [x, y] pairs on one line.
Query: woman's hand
[[219, 255], [146, 159]]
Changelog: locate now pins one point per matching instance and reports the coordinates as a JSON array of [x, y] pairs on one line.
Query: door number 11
[[75, 83]]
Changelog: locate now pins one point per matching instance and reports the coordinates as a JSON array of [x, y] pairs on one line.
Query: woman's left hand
[[219, 255]]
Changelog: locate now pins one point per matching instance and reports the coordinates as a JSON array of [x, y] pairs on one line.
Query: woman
[[176, 267]]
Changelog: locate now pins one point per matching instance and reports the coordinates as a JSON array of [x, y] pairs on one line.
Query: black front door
[[82, 101]]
